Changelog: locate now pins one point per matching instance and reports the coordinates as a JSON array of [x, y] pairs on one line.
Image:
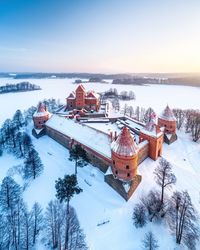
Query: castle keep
[[116, 145]]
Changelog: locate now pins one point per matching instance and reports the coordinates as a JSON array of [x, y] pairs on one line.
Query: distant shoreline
[[19, 91], [192, 80]]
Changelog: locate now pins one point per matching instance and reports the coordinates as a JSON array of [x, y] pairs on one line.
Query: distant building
[[80, 99], [113, 150]]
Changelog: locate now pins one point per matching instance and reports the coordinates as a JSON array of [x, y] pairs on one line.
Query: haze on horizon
[[107, 36]]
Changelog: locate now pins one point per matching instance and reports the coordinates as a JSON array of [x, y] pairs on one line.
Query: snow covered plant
[[58, 223], [150, 242], [183, 219], [66, 188]]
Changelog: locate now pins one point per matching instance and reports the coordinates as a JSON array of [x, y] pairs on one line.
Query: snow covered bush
[[139, 215]]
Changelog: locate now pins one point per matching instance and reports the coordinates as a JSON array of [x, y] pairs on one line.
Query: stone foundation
[[119, 186]]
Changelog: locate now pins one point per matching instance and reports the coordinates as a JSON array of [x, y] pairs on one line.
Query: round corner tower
[[124, 156], [40, 116], [168, 121]]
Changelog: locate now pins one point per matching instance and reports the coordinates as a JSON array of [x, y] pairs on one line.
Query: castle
[[116, 145], [80, 99]]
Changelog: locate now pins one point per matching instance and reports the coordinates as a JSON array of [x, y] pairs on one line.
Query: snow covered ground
[[100, 202]]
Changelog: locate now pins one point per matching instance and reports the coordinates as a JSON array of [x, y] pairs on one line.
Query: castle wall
[[96, 159], [155, 145], [143, 151]]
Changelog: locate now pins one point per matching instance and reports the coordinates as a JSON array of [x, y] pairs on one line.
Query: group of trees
[[19, 87], [190, 120], [21, 228], [138, 113], [123, 95], [14, 139], [65, 232], [177, 210], [52, 104]]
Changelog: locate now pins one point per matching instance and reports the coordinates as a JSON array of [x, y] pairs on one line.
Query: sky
[[101, 36]]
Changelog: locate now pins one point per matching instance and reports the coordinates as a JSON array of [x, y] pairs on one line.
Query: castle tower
[[40, 116], [80, 97], [71, 101], [168, 121], [154, 136], [124, 156]]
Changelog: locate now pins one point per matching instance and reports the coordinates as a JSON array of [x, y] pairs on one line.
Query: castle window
[[113, 162], [116, 172], [127, 166], [128, 175]]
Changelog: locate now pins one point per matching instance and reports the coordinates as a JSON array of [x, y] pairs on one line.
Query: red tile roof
[[124, 145]]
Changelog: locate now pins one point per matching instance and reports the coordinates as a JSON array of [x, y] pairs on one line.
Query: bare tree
[[139, 215], [150, 241], [180, 117], [182, 218], [57, 224], [152, 204], [164, 177], [37, 216]]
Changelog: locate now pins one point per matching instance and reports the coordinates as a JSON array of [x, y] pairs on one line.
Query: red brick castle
[[80, 99], [118, 156]]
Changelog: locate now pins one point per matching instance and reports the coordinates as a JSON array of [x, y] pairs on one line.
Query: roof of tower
[[80, 87], [41, 110], [92, 95], [167, 114], [71, 95], [124, 145]]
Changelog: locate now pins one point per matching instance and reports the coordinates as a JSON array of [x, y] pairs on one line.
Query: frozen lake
[[156, 96]]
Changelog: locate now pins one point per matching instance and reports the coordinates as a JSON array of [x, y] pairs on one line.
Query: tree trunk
[[67, 228]]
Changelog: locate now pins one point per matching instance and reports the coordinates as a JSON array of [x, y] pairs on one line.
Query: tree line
[[57, 228], [14, 139], [189, 120], [19, 87], [177, 210]]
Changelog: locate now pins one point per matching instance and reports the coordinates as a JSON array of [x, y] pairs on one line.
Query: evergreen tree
[[10, 193], [26, 144], [79, 156], [32, 165], [66, 188], [18, 119]]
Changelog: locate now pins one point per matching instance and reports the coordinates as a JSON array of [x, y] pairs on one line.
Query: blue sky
[[100, 36]]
